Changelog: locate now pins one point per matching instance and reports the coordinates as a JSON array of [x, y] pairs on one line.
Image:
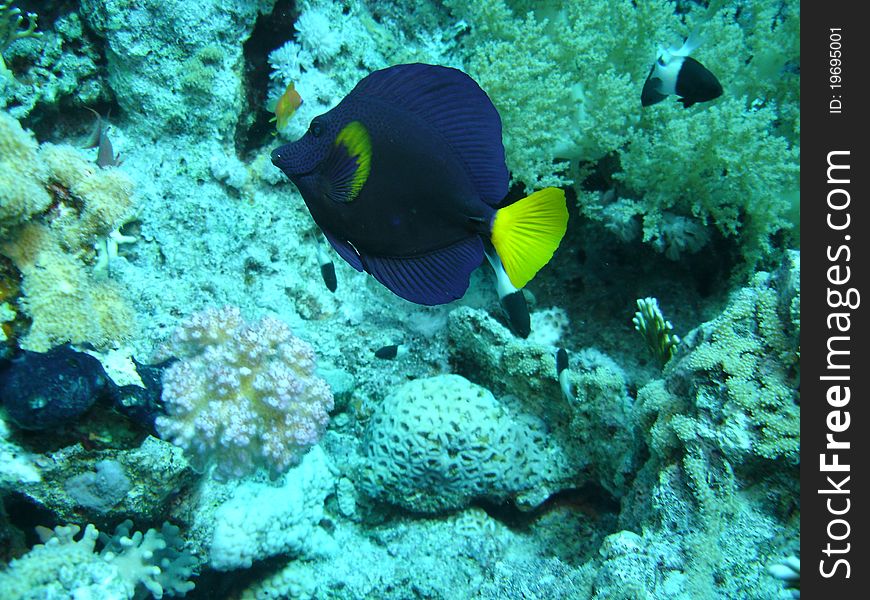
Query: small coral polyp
[[242, 396]]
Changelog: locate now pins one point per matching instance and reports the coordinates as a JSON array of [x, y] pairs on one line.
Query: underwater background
[[187, 409]]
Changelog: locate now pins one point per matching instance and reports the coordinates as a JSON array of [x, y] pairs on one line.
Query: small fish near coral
[[563, 373], [391, 351], [286, 106], [675, 72], [99, 139], [406, 177]]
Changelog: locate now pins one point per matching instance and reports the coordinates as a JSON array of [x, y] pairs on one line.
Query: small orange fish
[[287, 104]]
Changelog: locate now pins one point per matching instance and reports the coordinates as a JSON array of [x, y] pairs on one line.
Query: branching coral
[[566, 86], [10, 25], [733, 385], [244, 395], [573, 96], [723, 167], [66, 567]]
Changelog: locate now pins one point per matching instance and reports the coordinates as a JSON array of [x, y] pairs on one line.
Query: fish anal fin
[[345, 250], [437, 277]]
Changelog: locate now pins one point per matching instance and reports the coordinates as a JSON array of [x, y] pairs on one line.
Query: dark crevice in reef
[[591, 499], [67, 117], [592, 512], [270, 32]]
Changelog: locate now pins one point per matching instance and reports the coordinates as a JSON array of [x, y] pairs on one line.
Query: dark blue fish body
[[403, 177], [400, 211]]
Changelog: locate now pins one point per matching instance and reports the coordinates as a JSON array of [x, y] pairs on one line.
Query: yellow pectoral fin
[[527, 233]]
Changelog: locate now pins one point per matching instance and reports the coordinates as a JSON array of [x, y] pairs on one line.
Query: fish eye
[[316, 128]]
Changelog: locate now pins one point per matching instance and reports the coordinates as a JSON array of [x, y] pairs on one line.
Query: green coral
[[723, 167], [10, 25], [734, 386], [566, 87], [571, 97]]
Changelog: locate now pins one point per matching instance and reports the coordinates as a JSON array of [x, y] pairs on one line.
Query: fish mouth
[[280, 160]]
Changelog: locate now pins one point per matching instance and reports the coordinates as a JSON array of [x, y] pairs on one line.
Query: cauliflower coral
[[243, 395]]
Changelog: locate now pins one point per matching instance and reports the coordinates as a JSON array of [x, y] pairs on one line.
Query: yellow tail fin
[[526, 233]]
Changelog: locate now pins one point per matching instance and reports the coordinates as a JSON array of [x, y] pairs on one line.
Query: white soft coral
[[319, 31]]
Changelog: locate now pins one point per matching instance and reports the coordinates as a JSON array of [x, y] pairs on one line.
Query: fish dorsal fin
[[691, 44], [347, 166], [457, 108], [434, 278]]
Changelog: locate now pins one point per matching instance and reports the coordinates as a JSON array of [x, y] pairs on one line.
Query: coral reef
[[733, 383], [63, 566], [193, 85], [11, 28], [260, 521], [466, 466], [16, 466], [438, 443], [55, 207], [50, 390], [486, 352], [62, 66], [99, 490], [156, 471], [243, 396]]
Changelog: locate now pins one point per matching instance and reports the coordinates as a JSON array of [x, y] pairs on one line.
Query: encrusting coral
[[55, 208], [11, 25], [733, 385]]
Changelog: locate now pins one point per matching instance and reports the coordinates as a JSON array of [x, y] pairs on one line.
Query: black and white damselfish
[[675, 72]]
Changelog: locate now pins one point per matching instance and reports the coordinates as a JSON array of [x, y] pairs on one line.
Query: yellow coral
[[22, 176], [63, 299], [106, 195], [54, 251]]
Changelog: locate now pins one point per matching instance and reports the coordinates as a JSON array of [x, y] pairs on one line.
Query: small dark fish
[[389, 352], [675, 72], [405, 178], [512, 300], [99, 139], [327, 267], [144, 404], [327, 271], [563, 374]]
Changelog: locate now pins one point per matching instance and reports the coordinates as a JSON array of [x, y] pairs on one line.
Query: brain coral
[[437, 443], [243, 395]]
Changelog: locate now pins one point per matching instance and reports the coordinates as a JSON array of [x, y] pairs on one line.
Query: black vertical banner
[[835, 342]]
